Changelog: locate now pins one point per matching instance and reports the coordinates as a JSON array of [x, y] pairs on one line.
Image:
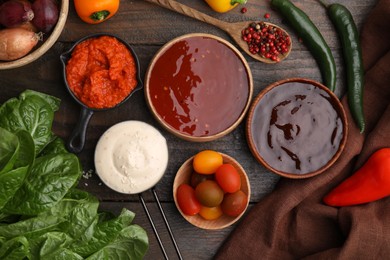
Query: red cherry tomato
[[228, 178], [207, 161], [187, 201], [209, 193], [210, 213], [234, 204]]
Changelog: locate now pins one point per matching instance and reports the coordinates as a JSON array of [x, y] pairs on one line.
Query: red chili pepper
[[371, 182]]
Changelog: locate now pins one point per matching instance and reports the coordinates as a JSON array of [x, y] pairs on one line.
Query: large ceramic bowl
[[44, 46], [296, 128], [198, 87]]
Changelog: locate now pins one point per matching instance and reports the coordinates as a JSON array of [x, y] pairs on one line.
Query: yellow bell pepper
[[96, 11], [222, 6]]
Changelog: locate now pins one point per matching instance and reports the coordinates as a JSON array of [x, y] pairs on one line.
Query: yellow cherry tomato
[[210, 213], [96, 11], [222, 6], [207, 162]]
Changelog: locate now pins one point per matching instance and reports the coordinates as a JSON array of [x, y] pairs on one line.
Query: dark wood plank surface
[[147, 27]]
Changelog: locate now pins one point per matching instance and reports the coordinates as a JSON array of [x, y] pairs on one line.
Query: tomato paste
[[101, 72]]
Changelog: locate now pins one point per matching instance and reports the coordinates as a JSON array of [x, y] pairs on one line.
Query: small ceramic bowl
[[192, 99], [183, 175], [43, 47], [297, 128]]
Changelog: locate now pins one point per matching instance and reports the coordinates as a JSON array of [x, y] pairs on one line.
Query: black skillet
[[76, 141]]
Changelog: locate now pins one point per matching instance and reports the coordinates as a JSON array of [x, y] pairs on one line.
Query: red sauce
[[296, 128], [199, 86], [101, 72]]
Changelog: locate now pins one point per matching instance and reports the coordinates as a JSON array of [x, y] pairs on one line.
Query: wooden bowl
[[297, 128], [183, 175], [202, 102], [41, 48]]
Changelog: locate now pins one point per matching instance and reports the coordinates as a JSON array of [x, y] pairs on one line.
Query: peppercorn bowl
[[296, 128], [189, 97], [45, 43], [184, 177]]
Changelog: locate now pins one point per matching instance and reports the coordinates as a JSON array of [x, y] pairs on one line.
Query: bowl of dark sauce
[[297, 128], [198, 87]]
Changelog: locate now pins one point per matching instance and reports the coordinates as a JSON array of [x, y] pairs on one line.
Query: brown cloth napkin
[[292, 222]]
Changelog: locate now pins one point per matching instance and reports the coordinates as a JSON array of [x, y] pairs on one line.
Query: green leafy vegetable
[[42, 214], [31, 112], [49, 180], [9, 148]]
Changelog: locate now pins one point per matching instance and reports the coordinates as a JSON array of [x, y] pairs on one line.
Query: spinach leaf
[[22, 158], [131, 243], [31, 113], [79, 208], [52, 245], [103, 234], [53, 101], [17, 248], [10, 183], [54, 147], [9, 149], [74, 198], [26, 155], [32, 227], [49, 180]]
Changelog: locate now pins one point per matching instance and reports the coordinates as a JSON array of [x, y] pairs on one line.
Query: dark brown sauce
[[296, 128], [199, 86]]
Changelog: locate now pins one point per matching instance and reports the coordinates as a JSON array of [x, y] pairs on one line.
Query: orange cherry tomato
[[228, 178], [96, 11], [207, 161], [187, 201], [234, 204], [210, 213]]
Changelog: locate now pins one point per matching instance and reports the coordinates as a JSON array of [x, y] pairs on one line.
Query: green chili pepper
[[345, 26], [311, 37]]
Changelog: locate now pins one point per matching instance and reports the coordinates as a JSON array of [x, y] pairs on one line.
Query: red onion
[[15, 12], [45, 14]]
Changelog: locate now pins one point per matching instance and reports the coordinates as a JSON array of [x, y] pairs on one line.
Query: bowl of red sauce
[[198, 87], [101, 72], [297, 128]]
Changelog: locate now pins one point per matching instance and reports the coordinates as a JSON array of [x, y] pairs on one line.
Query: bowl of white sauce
[[131, 157]]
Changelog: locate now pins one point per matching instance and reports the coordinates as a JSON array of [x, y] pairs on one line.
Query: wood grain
[[147, 27]]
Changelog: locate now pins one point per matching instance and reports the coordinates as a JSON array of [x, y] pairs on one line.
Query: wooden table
[[147, 27]]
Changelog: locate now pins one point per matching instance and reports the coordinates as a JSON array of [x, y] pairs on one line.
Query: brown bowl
[[297, 128], [183, 175], [42, 48], [201, 110]]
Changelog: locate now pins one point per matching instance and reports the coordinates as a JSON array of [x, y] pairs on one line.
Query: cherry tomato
[[234, 204], [187, 201], [210, 213], [197, 178], [207, 161], [209, 193], [228, 178]]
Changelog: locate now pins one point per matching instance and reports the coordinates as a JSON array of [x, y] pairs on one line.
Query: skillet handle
[[77, 139]]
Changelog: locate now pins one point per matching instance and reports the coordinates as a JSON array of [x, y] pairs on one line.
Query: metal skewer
[[166, 224]]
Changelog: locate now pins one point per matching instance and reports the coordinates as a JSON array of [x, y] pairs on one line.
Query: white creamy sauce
[[131, 157]]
